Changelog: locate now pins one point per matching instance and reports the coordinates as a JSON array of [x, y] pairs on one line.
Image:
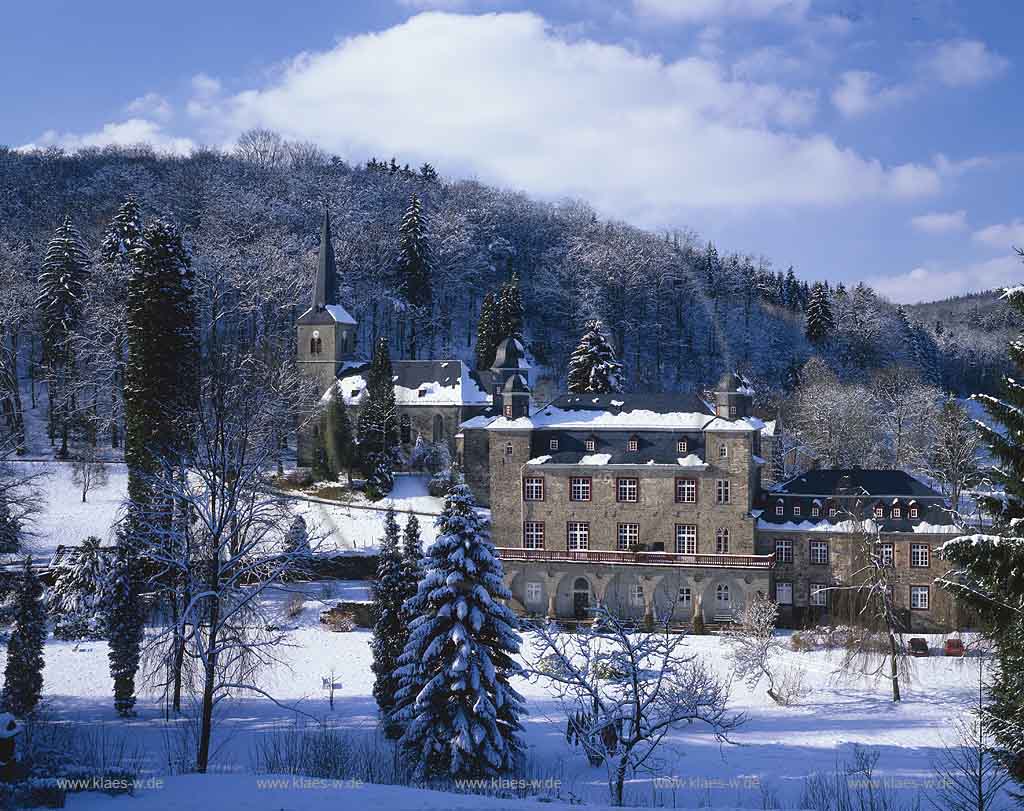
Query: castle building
[[653, 506]]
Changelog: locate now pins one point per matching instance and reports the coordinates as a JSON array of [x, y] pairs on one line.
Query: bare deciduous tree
[[753, 645], [87, 472]]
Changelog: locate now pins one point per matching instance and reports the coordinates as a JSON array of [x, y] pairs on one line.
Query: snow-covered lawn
[[774, 750]]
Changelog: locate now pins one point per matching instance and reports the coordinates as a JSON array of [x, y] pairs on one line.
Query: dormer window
[[832, 512], [815, 512], [897, 512], [913, 512], [632, 445], [780, 508], [681, 446], [879, 512], [796, 509], [552, 444], [590, 445]]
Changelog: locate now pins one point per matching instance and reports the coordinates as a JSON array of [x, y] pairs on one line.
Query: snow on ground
[[775, 749]]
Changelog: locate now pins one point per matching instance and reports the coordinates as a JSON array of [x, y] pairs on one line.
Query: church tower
[[326, 332]]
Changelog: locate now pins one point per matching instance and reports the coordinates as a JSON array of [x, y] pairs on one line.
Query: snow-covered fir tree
[[122, 236], [487, 333], [412, 569], [460, 710], [988, 568], [296, 539], [23, 673], [593, 367], [378, 419], [415, 269], [124, 627], [79, 597], [510, 311], [389, 633], [380, 476], [820, 322]]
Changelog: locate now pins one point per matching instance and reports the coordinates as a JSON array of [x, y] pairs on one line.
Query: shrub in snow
[[461, 712], [339, 620], [79, 597], [23, 673], [381, 478], [433, 457]]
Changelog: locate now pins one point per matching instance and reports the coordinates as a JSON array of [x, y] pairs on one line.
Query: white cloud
[[132, 132], [964, 62], [151, 105], [697, 11], [932, 284], [940, 222], [1002, 236], [860, 92], [506, 98]]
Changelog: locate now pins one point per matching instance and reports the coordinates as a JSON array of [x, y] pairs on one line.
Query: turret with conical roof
[[510, 375], [325, 288]]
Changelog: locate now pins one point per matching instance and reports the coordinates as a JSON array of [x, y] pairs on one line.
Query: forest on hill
[[680, 310]]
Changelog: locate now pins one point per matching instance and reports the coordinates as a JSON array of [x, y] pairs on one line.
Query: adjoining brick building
[[653, 505]]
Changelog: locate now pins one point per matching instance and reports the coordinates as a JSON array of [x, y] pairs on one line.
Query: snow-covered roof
[[868, 526], [443, 382], [336, 312]]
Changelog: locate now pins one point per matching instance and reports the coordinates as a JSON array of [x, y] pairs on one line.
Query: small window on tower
[[508, 411]]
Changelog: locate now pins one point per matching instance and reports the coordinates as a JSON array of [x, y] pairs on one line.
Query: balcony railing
[[616, 558]]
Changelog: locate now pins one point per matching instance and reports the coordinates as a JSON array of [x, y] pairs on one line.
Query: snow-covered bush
[[78, 599], [432, 457]]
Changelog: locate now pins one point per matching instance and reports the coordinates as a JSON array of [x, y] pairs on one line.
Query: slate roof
[[610, 448], [856, 481], [421, 382]]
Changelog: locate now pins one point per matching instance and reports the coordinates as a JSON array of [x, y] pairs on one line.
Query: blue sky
[[865, 139]]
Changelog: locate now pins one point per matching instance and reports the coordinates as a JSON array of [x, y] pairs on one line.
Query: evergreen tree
[[989, 568], [820, 322], [124, 628], [296, 539], [510, 306], [415, 267], [487, 332], [381, 477], [340, 440], [593, 368], [60, 301], [412, 571], [162, 369], [377, 415], [389, 632], [461, 712], [79, 597], [23, 674], [122, 236], [10, 527]]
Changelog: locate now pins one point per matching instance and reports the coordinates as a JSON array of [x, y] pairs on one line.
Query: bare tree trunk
[[894, 667], [209, 681]]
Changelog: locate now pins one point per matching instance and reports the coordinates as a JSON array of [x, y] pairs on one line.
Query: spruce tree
[[60, 301], [820, 321], [389, 632], [593, 368], [23, 674], [79, 597], [455, 696], [377, 415], [412, 552], [124, 628], [162, 369], [415, 268], [510, 306], [487, 335], [989, 567], [122, 236]]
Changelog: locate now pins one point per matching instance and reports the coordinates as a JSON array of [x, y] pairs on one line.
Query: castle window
[[632, 445], [879, 512], [533, 535], [629, 535], [626, 490], [681, 446], [819, 594], [897, 512], [722, 594], [686, 491], [636, 594], [784, 550], [832, 512], [579, 488], [578, 535], [886, 554], [722, 541], [508, 411], [780, 508], [723, 451], [533, 593], [819, 552], [796, 509], [552, 444], [919, 598], [920, 554], [913, 512], [508, 449], [722, 491], [815, 512], [590, 445], [685, 596], [686, 539], [533, 488], [784, 593]]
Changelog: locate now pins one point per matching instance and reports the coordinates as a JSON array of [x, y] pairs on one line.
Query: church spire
[[324, 291]]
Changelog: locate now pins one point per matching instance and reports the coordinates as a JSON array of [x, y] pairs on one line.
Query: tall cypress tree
[[378, 418], [23, 674], [989, 567], [593, 368], [460, 709], [389, 629], [415, 268], [820, 321], [124, 628], [487, 332], [60, 300]]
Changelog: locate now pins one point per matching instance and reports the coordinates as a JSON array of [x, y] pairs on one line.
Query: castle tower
[[509, 363], [326, 332], [732, 398]]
